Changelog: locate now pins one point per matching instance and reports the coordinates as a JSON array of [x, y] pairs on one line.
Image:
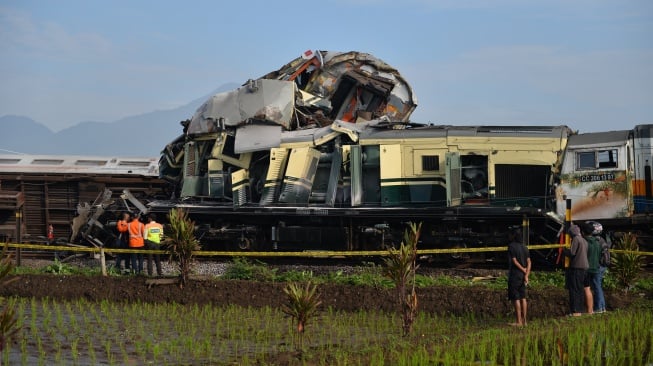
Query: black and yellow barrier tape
[[308, 254]]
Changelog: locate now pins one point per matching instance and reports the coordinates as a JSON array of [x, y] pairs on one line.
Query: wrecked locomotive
[[321, 154]]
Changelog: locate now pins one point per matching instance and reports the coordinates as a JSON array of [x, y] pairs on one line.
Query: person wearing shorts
[[519, 267]]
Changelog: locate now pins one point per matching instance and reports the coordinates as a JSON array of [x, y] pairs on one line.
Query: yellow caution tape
[[308, 254], [65, 248]]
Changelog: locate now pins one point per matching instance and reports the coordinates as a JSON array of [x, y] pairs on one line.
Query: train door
[[425, 174], [474, 178], [364, 178], [643, 158], [193, 183]]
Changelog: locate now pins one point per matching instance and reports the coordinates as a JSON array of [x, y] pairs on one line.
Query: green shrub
[[181, 242], [626, 267], [545, 279], [59, 268], [244, 269], [645, 284], [400, 267], [302, 304], [295, 276]]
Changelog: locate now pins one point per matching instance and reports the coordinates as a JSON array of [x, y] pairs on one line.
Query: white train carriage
[[54, 185]]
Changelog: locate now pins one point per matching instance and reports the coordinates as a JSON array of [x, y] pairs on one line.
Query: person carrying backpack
[[596, 279]]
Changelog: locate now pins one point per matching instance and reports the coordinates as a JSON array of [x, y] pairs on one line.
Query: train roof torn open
[[310, 99], [312, 90]]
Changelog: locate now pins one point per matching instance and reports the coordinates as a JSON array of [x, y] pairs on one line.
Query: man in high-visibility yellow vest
[[153, 237]]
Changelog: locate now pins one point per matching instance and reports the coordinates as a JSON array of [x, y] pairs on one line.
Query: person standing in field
[[596, 277], [153, 237], [122, 227], [593, 253], [519, 267], [575, 275], [136, 241]]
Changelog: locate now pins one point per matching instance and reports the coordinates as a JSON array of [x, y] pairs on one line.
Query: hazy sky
[[587, 64]]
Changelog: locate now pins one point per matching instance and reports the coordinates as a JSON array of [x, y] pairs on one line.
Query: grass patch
[[370, 274], [245, 269]]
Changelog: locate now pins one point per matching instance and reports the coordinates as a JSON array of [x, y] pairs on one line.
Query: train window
[[597, 159], [91, 162], [607, 158], [586, 160], [134, 163], [430, 163], [47, 161]]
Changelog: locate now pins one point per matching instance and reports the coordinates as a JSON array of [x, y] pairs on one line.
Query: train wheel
[[460, 255], [244, 244]]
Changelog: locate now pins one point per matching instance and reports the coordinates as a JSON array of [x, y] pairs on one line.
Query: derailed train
[[321, 154]]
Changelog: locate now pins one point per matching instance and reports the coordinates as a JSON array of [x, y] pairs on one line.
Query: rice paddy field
[[87, 319], [108, 333]]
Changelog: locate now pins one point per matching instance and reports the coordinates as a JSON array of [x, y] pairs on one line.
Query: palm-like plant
[[627, 266], [400, 267], [181, 242], [302, 304]]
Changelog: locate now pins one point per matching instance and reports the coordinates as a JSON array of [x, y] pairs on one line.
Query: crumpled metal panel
[[319, 76], [326, 70], [308, 137], [353, 130], [256, 138], [251, 138], [271, 100]]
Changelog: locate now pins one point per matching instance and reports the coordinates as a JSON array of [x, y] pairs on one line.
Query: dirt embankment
[[479, 300]]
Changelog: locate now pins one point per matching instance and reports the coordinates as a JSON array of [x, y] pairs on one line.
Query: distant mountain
[[16, 131], [143, 135]]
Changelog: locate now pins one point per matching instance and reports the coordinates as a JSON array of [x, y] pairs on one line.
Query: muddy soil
[[478, 300]]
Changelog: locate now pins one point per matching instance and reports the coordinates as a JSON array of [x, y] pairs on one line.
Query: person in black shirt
[[519, 267]]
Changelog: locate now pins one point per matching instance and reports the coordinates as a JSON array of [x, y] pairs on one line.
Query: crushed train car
[[59, 193], [296, 102], [321, 153]]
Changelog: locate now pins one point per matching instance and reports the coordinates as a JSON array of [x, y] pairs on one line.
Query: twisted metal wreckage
[[306, 105]]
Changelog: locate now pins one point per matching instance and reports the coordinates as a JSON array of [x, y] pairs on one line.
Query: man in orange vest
[[122, 227], [51, 240], [136, 241], [50, 234], [153, 237]]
